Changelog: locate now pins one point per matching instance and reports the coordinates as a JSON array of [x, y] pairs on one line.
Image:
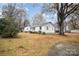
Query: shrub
[[39, 32], [43, 33], [8, 28]]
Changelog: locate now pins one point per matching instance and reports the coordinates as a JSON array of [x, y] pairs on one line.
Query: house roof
[[48, 23], [43, 24]]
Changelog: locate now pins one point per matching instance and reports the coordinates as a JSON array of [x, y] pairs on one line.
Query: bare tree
[[74, 22], [16, 13], [38, 19], [63, 10]]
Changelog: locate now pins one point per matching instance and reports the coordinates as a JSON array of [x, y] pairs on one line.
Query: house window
[[27, 28], [47, 27], [40, 27], [52, 28]]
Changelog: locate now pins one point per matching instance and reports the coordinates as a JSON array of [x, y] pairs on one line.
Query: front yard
[[28, 44]]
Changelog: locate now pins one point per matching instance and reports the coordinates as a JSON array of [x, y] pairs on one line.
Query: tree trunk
[[61, 26], [60, 17], [61, 30]]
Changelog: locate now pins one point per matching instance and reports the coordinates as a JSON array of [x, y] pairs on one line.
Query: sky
[[33, 9]]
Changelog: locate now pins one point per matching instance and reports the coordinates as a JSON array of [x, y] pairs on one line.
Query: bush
[[39, 32], [8, 28], [43, 33]]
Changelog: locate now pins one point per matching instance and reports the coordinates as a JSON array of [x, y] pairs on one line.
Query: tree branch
[[75, 8]]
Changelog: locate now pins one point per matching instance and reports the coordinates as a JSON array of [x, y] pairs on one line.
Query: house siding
[[37, 29], [48, 28]]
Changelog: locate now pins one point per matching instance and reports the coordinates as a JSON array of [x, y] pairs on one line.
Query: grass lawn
[[33, 44]]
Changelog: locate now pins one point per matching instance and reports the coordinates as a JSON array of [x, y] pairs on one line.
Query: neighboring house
[[67, 27], [44, 28], [75, 31]]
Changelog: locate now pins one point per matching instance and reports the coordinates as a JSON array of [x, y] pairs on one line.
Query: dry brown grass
[[33, 44]]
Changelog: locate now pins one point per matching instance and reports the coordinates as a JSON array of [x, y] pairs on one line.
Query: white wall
[[50, 29], [27, 29], [37, 29]]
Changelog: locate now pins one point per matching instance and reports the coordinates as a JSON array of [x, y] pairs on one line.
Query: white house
[[27, 29], [48, 27]]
